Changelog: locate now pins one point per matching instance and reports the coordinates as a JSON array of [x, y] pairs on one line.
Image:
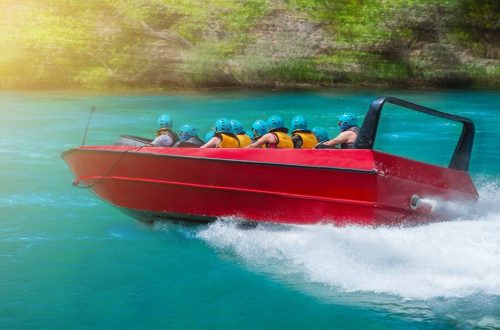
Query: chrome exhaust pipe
[[414, 202]]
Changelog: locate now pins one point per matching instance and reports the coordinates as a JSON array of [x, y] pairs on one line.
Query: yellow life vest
[[227, 140], [309, 140], [284, 141], [244, 140]]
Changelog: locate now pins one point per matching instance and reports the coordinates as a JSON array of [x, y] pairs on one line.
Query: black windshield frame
[[463, 150]]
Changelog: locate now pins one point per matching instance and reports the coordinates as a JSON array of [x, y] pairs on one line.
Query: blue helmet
[[250, 134], [188, 131], [223, 125], [259, 127], [236, 125], [347, 120], [164, 121], [274, 122], [209, 135], [299, 122], [320, 133]]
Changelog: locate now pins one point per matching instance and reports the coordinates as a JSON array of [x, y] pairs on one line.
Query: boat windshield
[[422, 133], [417, 135]]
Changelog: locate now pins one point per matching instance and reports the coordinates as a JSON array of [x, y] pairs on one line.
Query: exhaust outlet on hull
[[422, 205], [414, 202]]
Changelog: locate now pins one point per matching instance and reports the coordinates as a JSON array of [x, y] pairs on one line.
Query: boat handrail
[[368, 132]]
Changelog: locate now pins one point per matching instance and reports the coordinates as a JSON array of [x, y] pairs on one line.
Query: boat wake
[[450, 259], [439, 272]]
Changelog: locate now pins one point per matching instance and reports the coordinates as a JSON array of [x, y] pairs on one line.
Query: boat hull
[[283, 186]]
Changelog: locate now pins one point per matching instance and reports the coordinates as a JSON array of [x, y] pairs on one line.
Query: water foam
[[447, 259]]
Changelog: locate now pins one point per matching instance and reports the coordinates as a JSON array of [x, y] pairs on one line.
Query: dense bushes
[[259, 43]]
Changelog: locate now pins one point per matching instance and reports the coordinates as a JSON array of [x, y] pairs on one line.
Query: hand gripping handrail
[[368, 132]]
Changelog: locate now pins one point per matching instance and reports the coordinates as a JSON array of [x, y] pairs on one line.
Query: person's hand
[[322, 145]]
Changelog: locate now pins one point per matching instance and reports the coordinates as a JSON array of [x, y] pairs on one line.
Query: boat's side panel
[[336, 158], [205, 202], [399, 179], [291, 186], [203, 187]]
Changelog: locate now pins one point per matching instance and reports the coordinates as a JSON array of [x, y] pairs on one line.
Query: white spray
[[446, 259]]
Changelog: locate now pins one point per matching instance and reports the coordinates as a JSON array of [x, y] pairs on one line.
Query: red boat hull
[[284, 186]]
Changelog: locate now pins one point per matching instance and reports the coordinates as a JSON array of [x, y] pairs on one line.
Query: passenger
[[188, 135], [250, 134], [276, 137], [242, 137], [209, 135], [348, 124], [302, 138], [224, 137], [165, 137], [320, 133], [259, 128]]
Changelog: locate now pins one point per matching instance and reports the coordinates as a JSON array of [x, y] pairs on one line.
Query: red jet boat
[[354, 186]]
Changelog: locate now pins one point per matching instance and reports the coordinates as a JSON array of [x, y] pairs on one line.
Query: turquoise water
[[67, 260]]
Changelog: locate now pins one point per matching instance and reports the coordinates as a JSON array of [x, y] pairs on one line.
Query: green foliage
[[477, 26], [294, 71], [352, 20], [108, 43]]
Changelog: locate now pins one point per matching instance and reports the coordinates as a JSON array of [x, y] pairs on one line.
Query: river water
[[70, 261]]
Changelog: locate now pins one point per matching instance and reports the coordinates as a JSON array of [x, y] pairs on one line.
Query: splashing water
[[488, 203], [447, 259], [69, 260]]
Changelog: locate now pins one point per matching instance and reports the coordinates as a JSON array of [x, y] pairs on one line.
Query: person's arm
[[341, 138], [266, 138], [323, 146], [155, 141], [212, 143]]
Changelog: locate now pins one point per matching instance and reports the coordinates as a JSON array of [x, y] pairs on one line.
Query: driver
[[348, 124]]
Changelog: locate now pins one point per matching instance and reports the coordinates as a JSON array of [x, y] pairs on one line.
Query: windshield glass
[[415, 135]]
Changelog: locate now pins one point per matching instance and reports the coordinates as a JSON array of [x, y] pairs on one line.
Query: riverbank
[[280, 87], [259, 44]]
